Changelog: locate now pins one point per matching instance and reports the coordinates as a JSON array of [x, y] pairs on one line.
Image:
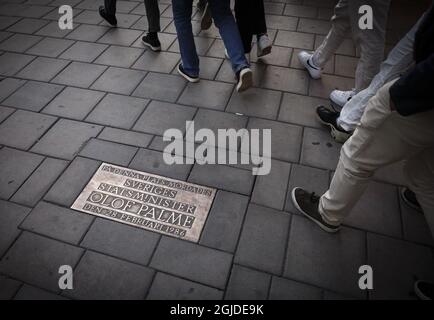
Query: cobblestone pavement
[[71, 99]]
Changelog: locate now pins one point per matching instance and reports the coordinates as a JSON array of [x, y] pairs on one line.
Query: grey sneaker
[[307, 204], [264, 45]]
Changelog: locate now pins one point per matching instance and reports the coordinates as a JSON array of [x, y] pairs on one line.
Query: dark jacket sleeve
[[414, 91]]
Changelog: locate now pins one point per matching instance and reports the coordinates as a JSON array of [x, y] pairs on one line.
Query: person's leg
[[153, 15], [225, 22], [370, 41], [383, 137], [182, 10], [340, 27], [243, 15], [108, 12], [110, 7], [420, 175], [397, 62]]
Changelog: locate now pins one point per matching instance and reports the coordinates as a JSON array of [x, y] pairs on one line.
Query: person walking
[[371, 43], [225, 22], [151, 40]]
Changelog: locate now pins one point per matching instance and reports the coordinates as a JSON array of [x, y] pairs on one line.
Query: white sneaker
[[264, 45], [245, 79], [340, 98], [306, 60]]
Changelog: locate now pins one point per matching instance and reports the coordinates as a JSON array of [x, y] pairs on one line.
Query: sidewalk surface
[[71, 99]]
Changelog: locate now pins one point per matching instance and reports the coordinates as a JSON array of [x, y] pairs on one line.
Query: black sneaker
[[206, 20], [329, 118], [109, 18], [151, 40], [409, 197], [307, 203], [424, 290], [245, 79], [190, 78]]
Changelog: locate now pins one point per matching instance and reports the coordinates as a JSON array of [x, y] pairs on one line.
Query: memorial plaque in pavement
[[168, 206]]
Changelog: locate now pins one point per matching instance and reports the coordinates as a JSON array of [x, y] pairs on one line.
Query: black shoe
[[409, 197], [206, 20], [424, 290], [151, 41], [190, 78], [109, 18], [329, 118], [307, 203], [245, 79]]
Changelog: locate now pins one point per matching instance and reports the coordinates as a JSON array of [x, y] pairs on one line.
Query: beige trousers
[[383, 137], [370, 42]]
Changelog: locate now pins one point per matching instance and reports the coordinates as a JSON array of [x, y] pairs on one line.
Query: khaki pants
[[383, 137], [370, 42]]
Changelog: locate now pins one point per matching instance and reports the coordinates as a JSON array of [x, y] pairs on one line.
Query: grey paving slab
[[378, 211], [88, 16], [39, 182], [263, 239], [118, 111], [414, 225], [121, 241], [247, 284], [281, 22], [27, 292], [5, 112], [19, 42], [295, 39], [72, 181], [223, 177], [256, 102], [279, 56], [300, 110], [285, 79], [327, 84], [308, 178], [57, 222], [79, 74], [22, 129], [326, 260], [5, 35], [16, 168], [300, 11], [161, 116], [83, 51], [50, 47], [65, 139], [33, 95], [102, 277], [124, 20], [202, 45], [8, 86], [119, 56], [108, 152], [151, 86], [42, 69], [207, 94], [396, 265], [163, 62], [153, 162], [52, 30], [11, 216], [44, 255], [87, 32], [8, 287], [284, 289], [5, 22], [119, 80], [11, 63], [285, 138], [181, 258], [345, 66], [270, 190], [33, 11], [88, 4], [167, 287], [124, 37], [313, 26], [224, 221], [74, 103], [319, 149], [27, 25], [126, 137]]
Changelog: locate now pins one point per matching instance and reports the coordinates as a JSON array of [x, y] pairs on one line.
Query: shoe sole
[[206, 19], [408, 203], [265, 51], [246, 80], [337, 135], [307, 67], [419, 293], [325, 228], [155, 49], [188, 78]]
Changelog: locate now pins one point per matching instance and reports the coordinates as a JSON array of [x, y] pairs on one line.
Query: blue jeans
[[224, 21]]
